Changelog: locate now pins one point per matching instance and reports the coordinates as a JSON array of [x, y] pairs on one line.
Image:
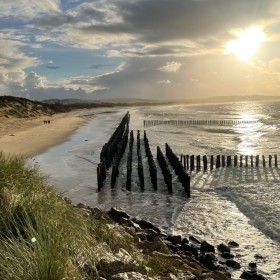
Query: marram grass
[[42, 237]]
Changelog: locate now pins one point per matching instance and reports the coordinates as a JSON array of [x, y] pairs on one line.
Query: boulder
[[233, 244], [118, 215], [223, 248], [175, 239], [227, 255], [183, 276], [129, 276], [191, 249], [252, 265], [146, 225], [194, 239], [185, 241], [206, 247], [234, 264], [258, 256], [156, 245], [206, 261]]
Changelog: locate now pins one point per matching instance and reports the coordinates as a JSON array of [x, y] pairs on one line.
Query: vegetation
[[43, 237]]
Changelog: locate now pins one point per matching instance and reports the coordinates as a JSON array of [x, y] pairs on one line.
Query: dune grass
[[41, 236]]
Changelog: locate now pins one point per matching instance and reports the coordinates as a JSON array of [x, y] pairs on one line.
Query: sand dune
[[28, 137]]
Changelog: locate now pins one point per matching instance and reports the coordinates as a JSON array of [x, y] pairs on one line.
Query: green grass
[[41, 236]]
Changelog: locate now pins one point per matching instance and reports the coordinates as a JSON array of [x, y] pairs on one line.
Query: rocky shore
[[177, 257]]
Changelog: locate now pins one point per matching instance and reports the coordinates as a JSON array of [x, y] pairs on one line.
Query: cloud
[[171, 66], [165, 82], [32, 80], [98, 66]]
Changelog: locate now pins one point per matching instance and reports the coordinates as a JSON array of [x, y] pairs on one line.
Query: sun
[[247, 43]]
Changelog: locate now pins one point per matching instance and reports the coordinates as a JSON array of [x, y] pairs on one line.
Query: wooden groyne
[[129, 161], [140, 163], [165, 169], [193, 162], [197, 122], [152, 165], [183, 177], [113, 150]]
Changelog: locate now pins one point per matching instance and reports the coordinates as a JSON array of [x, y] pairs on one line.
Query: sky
[[157, 49]]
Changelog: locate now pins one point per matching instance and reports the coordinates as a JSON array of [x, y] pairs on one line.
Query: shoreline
[[30, 137]]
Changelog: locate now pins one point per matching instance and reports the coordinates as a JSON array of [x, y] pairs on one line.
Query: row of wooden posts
[[192, 162], [180, 171], [197, 122], [140, 163], [165, 169], [114, 146], [152, 165], [129, 161]]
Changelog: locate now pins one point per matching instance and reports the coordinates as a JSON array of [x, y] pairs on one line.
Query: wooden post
[[188, 162], [269, 160], [263, 160], [228, 161], [246, 160], [241, 160], [205, 163], [197, 163], [257, 160], [223, 161], [212, 163], [252, 161], [185, 162], [235, 160], [218, 161], [181, 158], [275, 158], [192, 163]]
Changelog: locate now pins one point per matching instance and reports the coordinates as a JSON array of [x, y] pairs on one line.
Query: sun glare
[[247, 43]]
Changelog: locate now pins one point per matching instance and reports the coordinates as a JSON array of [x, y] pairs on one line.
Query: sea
[[233, 203]]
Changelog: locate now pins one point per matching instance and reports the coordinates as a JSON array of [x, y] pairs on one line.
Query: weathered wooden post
[[218, 161], [228, 161], [188, 162], [263, 160], [192, 163], [223, 161], [257, 160], [197, 163], [275, 158], [205, 163], [185, 162], [246, 160], [252, 160], [212, 163], [241, 160], [235, 160], [181, 158], [269, 160]]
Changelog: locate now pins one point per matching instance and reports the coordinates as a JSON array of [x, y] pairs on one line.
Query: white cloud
[[172, 66], [166, 82]]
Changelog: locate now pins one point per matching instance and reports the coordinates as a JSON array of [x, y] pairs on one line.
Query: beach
[[29, 137]]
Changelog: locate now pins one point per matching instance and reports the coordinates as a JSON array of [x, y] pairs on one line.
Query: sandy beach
[[29, 137]]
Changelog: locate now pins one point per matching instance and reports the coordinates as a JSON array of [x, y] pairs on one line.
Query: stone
[[156, 245], [191, 249], [146, 225], [233, 264], [206, 247], [97, 213], [183, 276], [223, 248], [194, 239], [185, 241], [118, 215], [206, 261], [81, 205], [233, 243], [175, 239], [246, 275], [252, 265], [129, 276], [258, 256], [227, 255]]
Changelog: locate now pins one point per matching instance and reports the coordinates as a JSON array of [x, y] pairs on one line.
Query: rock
[[175, 239], [258, 256], [183, 276], [233, 264], [118, 215], [206, 261], [129, 276], [252, 265], [223, 248], [156, 245], [233, 244], [218, 275], [141, 236], [206, 247], [67, 200], [246, 275], [191, 249], [146, 225], [227, 255], [194, 239], [185, 241], [97, 213]]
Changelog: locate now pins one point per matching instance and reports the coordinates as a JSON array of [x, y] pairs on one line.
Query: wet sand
[[29, 137]]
